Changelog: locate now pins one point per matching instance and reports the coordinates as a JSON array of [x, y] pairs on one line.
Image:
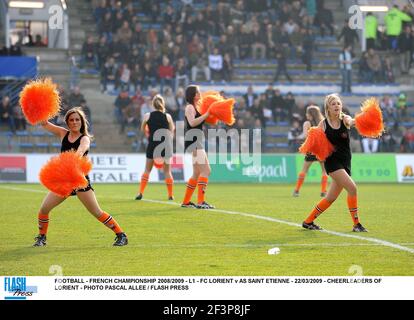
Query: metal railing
[[13, 89]]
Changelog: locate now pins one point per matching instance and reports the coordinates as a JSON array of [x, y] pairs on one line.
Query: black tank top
[[157, 120], [187, 124], [340, 139], [67, 145]]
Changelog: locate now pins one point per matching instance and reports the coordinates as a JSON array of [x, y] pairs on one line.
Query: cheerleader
[[158, 120], [77, 138], [336, 126], [195, 144], [314, 117]]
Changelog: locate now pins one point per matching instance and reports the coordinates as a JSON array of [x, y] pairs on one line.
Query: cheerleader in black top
[[338, 165], [194, 142], [77, 138], [314, 117], [161, 125]]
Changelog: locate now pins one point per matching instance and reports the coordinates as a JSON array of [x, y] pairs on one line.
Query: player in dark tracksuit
[[338, 165]]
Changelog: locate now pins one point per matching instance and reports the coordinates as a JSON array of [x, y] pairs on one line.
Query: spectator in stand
[[409, 140], [279, 107], [99, 13], [170, 16], [371, 27], [102, 51], [119, 51], [170, 103], [388, 70], [402, 106], [311, 8], [281, 66], [397, 135], [249, 97], [138, 37], [201, 66], [19, 118], [350, 35], [258, 43], [324, 20], [181, 74], [233, 42], [388, 109], [215, 63], [291, 27], [75, 98], [405, 47], [124, 34], [124, 77], [308, 48], [149, 75], [88, 113], [365, 73], [375, 65], [121, 103], [165, 73], [394, 24], [370, 145], [227, 68], [89, 53], [294, 137], [296, 40], [245, 42], [39, 42], [181, 103], [106, 26], [257, 109], [7, 114], [108, 73], [346, 60], [129, 13], [290, 104], [118, 21]]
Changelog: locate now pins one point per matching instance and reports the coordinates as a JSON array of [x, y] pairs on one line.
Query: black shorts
[[151, 148], [332, 164], [310, 157], [89, 187]]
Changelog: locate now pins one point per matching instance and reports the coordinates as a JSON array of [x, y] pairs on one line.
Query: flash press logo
[[16, 288]]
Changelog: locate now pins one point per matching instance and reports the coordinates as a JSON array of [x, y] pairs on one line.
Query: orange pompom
[[369, 122], [159, 163], [223, 110], [65, 172], [317, 144], [40, 100], [207, 99]]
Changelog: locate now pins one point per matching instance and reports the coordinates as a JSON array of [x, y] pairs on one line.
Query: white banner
[[107, 168], [206, 288], [405, 167]]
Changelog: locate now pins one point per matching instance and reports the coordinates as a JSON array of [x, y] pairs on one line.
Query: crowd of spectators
[[389, 50], [12, 118], [169, 43]]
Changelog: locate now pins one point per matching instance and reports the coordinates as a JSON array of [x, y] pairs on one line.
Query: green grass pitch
[[166, 240]]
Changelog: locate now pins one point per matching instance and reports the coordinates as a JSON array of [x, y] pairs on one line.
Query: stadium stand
[[117, 48]]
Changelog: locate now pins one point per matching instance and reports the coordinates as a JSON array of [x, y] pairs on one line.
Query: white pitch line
[[255, 216], [339, 234]]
